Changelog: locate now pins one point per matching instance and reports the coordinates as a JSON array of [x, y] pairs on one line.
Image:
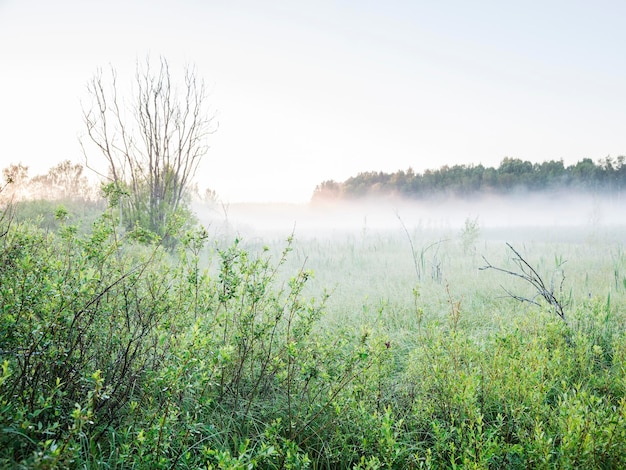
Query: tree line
[[511, 176], [63, 182]]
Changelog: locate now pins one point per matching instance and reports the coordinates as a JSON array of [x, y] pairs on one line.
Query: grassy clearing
[[230, 354]]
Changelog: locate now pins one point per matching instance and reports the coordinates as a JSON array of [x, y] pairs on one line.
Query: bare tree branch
[[152, 143], [531, 276]]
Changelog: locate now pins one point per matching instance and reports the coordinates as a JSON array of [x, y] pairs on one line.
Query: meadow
[[379, 343]]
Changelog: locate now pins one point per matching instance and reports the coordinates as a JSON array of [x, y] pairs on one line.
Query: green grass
[[367, 350]]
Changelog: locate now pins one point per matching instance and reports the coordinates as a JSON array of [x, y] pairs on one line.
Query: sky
[[311, 91]]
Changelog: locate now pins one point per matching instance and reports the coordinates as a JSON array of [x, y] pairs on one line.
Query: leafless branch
[[531, 276], [153, 143]]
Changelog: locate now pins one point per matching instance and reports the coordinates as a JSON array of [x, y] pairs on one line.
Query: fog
[[559, 210]]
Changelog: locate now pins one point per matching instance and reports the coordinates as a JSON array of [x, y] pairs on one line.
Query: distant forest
[[512, 176]]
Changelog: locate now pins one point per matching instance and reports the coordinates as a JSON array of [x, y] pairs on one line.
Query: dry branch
[[531, 276]]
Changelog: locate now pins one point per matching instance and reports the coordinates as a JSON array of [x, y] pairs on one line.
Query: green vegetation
[[513, 175], [131, 338], [116, 353]]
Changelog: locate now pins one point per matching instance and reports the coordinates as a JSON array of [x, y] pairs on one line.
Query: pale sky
[[306, 92]]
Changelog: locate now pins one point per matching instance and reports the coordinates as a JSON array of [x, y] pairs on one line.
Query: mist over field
[[558, 210], [502, 313]]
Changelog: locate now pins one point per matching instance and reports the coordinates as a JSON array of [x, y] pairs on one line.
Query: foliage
[[119, 354], [113, 351]]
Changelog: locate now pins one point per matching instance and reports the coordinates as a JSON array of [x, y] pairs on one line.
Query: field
[[364, 340]]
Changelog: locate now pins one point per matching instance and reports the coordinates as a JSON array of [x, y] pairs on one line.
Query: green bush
[[116, 353]]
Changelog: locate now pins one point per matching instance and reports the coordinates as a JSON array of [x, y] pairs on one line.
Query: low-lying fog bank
[[331, 218]]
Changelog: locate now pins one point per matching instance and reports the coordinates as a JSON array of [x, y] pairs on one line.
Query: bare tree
[[153, 142]]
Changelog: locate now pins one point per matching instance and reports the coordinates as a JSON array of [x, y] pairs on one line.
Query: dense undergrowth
[[118, 354]]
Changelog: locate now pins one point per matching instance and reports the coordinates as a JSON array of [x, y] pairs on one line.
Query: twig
[[530, 275]]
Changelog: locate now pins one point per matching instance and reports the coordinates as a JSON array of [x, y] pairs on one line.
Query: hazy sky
[[306, 92]]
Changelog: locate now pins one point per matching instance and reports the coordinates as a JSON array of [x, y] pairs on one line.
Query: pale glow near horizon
[[309, 93]]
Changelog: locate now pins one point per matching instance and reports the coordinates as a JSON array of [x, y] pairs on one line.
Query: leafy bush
[[113, 350], [117, 354]]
